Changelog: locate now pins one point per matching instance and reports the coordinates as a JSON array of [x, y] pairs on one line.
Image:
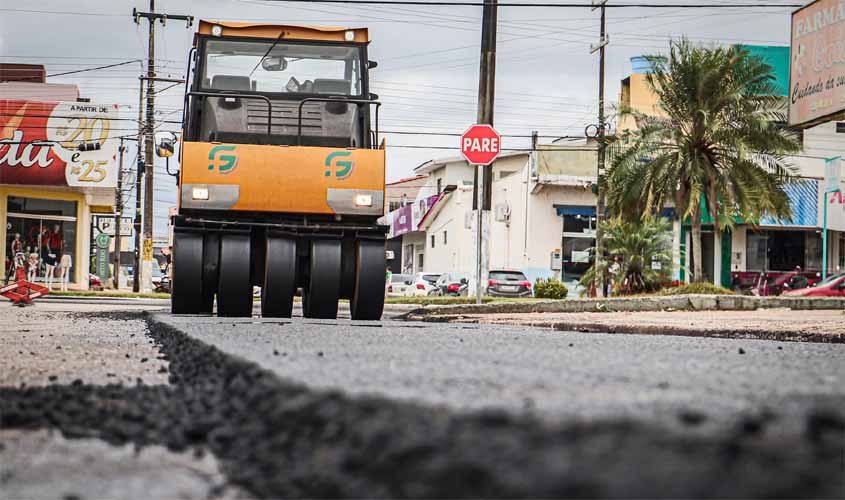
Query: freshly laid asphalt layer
[[290, 436]]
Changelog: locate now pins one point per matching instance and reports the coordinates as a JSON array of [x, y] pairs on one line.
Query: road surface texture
[[770, 324], [303, 408], [55, 347]]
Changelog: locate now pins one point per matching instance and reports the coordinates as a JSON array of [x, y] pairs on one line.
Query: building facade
[[57, 168], [770, 245]]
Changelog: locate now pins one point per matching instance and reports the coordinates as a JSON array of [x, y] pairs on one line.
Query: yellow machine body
[[286, 179]]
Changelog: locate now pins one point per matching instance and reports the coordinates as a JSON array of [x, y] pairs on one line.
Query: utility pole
[[600, 209], [139, 170], [149, 159], [483, 178], [118, 213]]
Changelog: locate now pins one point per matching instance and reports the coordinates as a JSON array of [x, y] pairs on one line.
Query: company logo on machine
[[342, 168], [230, 162]]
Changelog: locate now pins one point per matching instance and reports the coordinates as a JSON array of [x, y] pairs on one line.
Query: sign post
[[480, 146], [832, 184]]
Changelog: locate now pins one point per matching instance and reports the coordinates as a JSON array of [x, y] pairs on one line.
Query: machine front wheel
[[368, 295], [234, 290], [322, 290], [186, 296], [279, 278]]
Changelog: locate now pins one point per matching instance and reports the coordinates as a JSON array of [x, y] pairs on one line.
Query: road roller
[[282, 175]]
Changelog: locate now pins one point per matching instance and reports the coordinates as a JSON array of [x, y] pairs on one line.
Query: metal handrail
[[243, 96], [333, 99]]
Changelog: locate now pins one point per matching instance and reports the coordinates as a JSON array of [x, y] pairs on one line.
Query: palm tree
[[640, 245], [716, 147]]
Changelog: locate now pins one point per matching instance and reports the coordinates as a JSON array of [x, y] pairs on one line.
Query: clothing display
[[50, 259], [64, 267]]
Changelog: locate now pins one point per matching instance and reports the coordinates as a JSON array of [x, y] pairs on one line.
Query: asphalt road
[[555, 375], [324, 409]]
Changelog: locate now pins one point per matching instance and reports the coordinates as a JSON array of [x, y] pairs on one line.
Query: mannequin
[[33, 261], [64, 270], [16, 247], [54, 246]]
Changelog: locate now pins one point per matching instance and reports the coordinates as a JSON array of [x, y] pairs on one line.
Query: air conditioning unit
[[503, 212]]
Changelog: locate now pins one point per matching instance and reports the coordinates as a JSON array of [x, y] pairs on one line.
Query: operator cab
[[280, 85]]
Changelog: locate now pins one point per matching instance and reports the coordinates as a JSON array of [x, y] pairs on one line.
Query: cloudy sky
[[428, 56]]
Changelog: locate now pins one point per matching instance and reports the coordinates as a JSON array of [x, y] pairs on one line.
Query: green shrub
[[696, 289], [550, 289]]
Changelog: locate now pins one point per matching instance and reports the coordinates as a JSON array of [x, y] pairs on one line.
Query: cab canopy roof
[[285, 32]]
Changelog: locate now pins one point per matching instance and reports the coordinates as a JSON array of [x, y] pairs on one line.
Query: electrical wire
[[443, 3]]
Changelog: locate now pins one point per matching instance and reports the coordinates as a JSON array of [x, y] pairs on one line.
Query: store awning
[[590, 211], [804, 201], [575, 210]]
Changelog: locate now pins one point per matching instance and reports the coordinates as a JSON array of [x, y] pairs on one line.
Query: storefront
[[49, 185]]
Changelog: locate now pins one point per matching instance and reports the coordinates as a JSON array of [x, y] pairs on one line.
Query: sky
[[428, 56], [546, 77]]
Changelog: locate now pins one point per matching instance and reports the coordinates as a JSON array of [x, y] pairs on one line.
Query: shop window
[[47, 232], [38, 206], [841, 265], [755, 251], [813, 254], [578, 223], [787, 250], [576, 257]]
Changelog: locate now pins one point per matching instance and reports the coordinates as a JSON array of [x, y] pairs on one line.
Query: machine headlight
[[199, 193], [217, 30], [363, 200], [349, 36]]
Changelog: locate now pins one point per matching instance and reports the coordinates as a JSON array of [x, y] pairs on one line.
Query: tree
[[644, 248], [716, 147]]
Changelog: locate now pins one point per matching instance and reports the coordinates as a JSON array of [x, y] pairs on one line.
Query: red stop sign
[[481, 144]]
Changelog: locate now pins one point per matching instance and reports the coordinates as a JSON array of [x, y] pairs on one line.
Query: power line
[[540, 5], [84, 70]]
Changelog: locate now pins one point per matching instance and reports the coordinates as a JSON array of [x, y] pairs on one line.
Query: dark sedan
[[508, 284]]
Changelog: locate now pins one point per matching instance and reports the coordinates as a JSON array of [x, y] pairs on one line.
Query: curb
[[638, 304]]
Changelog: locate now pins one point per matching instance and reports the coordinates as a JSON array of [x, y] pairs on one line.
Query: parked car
[[158, 274], [775, 283], [454, 284], [503, 283], [422, 285], [833, 286], [398, 284]]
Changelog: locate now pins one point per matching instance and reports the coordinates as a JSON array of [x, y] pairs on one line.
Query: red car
[[834, 286]]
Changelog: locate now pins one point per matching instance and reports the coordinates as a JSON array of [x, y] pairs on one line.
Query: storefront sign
[[834, 193], [817, 68], [47, 144], [101, 262], [407, 219], [106, 225]]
